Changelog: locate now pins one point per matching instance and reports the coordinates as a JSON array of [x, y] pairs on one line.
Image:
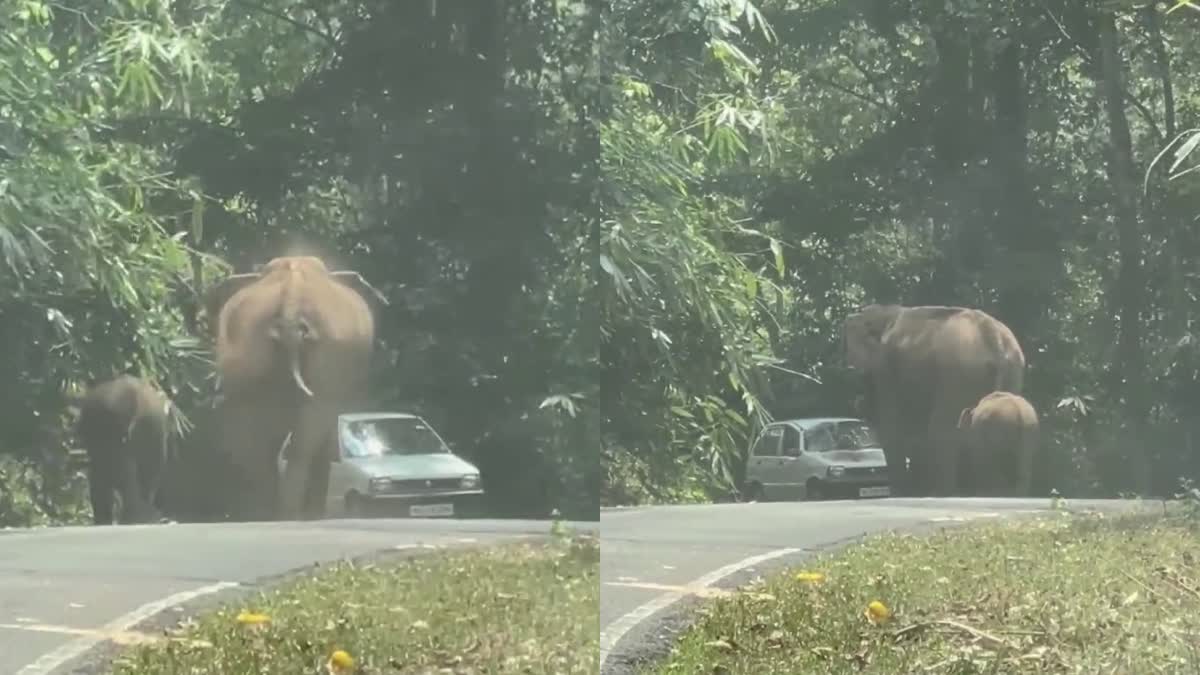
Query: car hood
[[865, 457], [441, 465]]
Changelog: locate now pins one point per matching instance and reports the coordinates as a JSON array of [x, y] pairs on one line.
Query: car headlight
[[836, 471], [379, 484], [470, 481]]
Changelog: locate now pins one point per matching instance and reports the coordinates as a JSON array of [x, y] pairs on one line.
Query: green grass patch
[[1062, 594], [521, 608]]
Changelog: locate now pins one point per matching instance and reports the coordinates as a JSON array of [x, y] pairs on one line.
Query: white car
[[396, 464], [816, 457]]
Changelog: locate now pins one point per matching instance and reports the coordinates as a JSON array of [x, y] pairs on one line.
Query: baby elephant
[[1002, 436], [123, 426]]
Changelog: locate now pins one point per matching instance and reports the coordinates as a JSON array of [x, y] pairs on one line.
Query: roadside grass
[[514, 608], [1061, 594]]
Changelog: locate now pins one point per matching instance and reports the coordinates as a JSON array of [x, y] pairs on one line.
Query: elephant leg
[[979, 472], [1022, 484], [314, 426], [943, 453], [913, 443], [917, 453], [252, 430], [134, 508], [100, 488], [149, 447], [260, 488], [968, 470], [891, 437], [317, 490]]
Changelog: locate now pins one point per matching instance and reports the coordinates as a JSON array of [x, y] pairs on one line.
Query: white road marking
[[698, 591], [963, 517], [611, 634], [48, 663], [120, 638], [977, 515]]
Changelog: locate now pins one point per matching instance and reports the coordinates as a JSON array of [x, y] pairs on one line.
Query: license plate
[[430, 510], [883, 491]]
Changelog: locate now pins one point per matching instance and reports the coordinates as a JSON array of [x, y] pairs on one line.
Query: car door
[[762, 466], [792, 464]]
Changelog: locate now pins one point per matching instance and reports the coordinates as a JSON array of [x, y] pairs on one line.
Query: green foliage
[[689, 286], [33, 495], [508, 609], [979, 599]]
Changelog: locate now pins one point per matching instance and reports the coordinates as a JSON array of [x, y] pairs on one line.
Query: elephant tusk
[[300, 380]]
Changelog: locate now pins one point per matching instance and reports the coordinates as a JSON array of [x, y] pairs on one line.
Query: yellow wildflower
[[340, 662], [877, 612], [252, 618], [811, 577]]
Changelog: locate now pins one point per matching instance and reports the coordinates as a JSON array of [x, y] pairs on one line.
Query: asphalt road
[[66, 591], [657, 561]]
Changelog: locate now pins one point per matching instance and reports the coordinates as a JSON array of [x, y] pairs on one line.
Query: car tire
[[356, 506], [814, 490]]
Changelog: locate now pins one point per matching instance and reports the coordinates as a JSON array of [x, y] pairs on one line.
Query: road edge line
[[612, 634], [49, 662]]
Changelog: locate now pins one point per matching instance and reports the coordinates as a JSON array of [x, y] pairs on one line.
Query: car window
[[855, 435], [768, 443], [819, 439], [390, 436], [791, 442]]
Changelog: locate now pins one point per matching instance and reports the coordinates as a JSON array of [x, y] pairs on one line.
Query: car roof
[[356, 417], [806, 423]]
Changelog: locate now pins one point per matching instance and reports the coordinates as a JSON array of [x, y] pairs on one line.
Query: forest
[[617, 236]]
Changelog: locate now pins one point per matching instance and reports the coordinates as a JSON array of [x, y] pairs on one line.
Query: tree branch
[[329, 39]]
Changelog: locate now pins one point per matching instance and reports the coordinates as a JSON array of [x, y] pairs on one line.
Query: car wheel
[[356, 507], [755, 493], [814, 490]]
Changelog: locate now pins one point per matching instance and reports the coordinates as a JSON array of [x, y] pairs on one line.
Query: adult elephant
[[123, 426], [1002, 436], [924, 365], [293, 346]]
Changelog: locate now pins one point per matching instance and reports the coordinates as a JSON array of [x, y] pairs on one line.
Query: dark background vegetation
[[617, 235]]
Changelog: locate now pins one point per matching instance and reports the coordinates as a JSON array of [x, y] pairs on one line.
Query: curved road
[[66, 591], [656, 562]]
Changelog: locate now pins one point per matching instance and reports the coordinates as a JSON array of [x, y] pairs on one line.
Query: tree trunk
[[1130, 296], [953, 152], [1029, 247], [1175, 230]]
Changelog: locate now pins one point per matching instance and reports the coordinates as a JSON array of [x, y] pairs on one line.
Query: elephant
[[293, 349], [123, 426], [923, 365], [1002, 436]]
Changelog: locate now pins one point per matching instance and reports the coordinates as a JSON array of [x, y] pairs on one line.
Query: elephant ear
[[357, 282], [216, 296], [861, 340]]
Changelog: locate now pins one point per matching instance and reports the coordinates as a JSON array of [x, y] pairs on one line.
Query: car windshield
[[844, 435], [390, 436]]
